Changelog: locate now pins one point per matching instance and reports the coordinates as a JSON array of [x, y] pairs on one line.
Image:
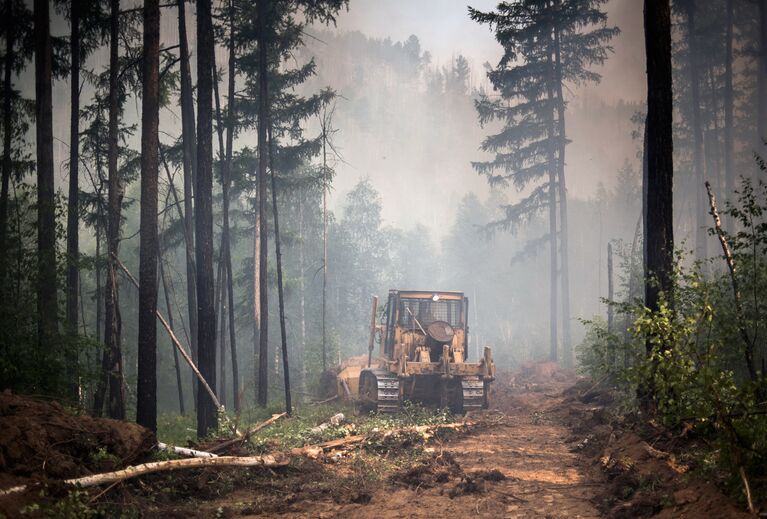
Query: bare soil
[[549, 448]]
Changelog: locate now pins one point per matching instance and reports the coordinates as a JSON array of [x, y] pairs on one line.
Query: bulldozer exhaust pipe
[[372, 330]]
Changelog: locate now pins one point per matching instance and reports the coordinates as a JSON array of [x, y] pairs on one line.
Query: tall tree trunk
[[103, 380], [190, 167], [658, 210], [256, 292], [230, 113], [761, 123], [146, 388], [553, 171], [263, 115], [207, 418], [225, 161], [47, 305], [73, 205], [729, 147], [699, 174], [280, 294], [113, 321], [7, 129], [567, 353], [610, 293], [169, 310], [325, 182], [221, 315], [302, 289]]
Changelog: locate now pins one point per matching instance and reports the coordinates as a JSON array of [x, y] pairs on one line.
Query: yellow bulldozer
[[423, 356]]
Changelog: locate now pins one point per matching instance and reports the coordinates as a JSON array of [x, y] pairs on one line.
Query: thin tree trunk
[[47, 305], [553, 171], [567, 353], [73, 205], [281, 295], [146, 389], [218, 285], [7, 129], [190, 167], [221, 315], [103, 380], [699, 174], [761, 122], [632, 286], [659, 229], [230, 112], [112, 320], [176, 365], [325, 181], [729, 172], [263, 115], [610, 293], [207, 418], [225, 156], [302, 289]]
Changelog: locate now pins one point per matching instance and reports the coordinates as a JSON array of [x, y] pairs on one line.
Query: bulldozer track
[[387, 395], [473, 393]]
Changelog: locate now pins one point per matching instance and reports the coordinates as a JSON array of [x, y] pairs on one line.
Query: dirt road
[[530, 448], [533, 474]]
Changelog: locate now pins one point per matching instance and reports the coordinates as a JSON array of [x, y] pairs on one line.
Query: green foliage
[[72, 506], [692, 352]]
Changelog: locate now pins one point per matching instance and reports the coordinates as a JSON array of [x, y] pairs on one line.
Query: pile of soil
[[41, 440], [645, 475]]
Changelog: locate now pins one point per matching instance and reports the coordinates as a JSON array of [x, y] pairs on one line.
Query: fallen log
[[161, 466], [246, 436], [267, 460], [192, 453]]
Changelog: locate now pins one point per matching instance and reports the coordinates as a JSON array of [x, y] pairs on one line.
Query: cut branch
[[246, 436], [175, 341], [730, 260]]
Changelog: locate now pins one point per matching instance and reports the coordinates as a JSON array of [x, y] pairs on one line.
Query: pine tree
[[17, 31], [545, 46], [266, 33]]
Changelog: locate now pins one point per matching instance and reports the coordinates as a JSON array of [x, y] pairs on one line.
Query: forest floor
[[550, 447]]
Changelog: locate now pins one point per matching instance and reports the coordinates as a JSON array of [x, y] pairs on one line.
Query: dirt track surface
[[527, 444], [543, 478]]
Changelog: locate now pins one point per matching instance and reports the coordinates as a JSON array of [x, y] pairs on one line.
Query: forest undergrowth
[[697, 365]]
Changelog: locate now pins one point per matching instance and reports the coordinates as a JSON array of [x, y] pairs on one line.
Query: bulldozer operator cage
[[426, 311]]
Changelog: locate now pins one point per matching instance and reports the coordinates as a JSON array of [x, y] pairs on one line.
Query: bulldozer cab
[[427, 319]]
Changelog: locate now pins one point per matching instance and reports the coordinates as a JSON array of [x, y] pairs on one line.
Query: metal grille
[[428, 311]]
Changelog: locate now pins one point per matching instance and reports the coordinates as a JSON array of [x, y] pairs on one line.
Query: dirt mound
[[41, 440], [643, 480]]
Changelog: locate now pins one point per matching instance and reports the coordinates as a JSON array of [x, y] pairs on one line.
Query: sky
[[444, 28], [598, 124]]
